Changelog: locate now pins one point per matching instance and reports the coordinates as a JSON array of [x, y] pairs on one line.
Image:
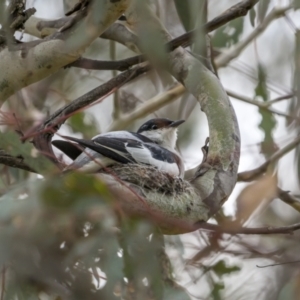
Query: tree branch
[[14, 162], [148, 107], [223, 59], [262, 105], [119, 33], [255, 173], [236, 11], [290, 200], [232, 229], [93, 64]]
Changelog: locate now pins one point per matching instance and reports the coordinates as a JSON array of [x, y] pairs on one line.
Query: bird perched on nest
[[153, 144]]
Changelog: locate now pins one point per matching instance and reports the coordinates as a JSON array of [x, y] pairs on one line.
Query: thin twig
[[117, 109], [234, 229], [289, 199], [119, 65], [255, 173], [14, 162], [262, 105], [279, 264], [223, 59], [236, 11], [148, 107], [279, 99]]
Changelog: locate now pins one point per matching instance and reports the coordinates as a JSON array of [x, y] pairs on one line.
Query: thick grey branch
[[255, 173]]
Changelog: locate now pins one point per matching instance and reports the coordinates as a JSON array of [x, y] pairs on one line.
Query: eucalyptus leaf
[[216, 291], [84, 123], [228, 34], [268, 121], [296, 4], [221, 268], [11, 143], [189, 11], [262, 9], [252, 16]]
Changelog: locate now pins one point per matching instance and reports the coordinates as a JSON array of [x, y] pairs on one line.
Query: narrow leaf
[[252, 16], [228, 34], [262, 9]]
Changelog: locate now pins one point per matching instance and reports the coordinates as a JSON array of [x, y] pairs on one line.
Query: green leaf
[[84, 123], [262, 9], [13, 201], [268, 121], [252, 16], [261, 88], [67, 191], [228, 34], [220, 268], [184, 13], [10, 142], [296, 4], [189, 11], [267, 124], [216, 292]]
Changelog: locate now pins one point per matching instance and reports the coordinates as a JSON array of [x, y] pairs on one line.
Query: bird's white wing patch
[[121, 153], [118, 135], [143, 155], [95, 164]]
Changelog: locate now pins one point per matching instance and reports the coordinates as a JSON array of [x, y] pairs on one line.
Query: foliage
[[88, 245], [228, 34], [268, 122]]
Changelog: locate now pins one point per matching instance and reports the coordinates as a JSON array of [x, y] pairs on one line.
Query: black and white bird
[[153, 144]]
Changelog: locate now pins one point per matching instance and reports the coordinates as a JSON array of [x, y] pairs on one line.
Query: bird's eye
[[154, 127]]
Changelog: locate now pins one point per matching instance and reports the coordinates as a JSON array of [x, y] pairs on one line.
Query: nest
[[150, 178]]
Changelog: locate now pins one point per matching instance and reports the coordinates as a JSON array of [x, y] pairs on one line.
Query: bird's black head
[[159, 123]]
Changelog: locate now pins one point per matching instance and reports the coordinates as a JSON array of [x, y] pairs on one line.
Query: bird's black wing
[[160, 153], [113, 148], [124, 150], [72, 150]]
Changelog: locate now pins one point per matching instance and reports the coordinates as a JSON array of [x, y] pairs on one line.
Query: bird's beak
[[176, 123]]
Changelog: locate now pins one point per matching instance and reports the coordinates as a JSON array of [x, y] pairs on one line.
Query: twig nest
[[150, 178], [174, 203]]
